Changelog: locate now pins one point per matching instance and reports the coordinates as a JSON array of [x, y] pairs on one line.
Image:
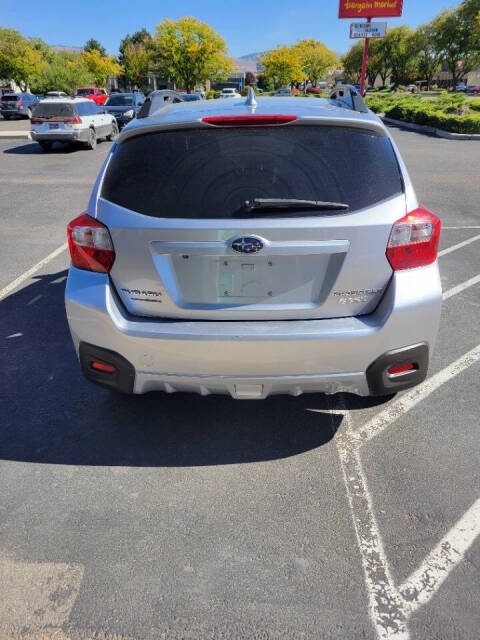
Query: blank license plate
[[53, 126]]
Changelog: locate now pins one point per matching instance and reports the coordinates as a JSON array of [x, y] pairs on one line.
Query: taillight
[[76, 120], [414, 240], [36, 120], [248, 120], [20, 103], [90, 244]]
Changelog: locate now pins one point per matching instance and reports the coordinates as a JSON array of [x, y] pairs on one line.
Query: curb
[[15, 135], [440, 133]]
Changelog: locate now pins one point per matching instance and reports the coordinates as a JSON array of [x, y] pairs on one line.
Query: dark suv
[[18, 104], [124, 106]]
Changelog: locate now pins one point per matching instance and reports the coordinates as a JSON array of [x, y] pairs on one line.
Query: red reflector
[[90, 244], [248, 121], [107, 368], [414, 240], [401, 368]]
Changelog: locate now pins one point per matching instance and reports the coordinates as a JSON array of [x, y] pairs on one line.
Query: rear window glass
[[9, 98], [85, 92], [199, 173], [87, 108], [55, 109]]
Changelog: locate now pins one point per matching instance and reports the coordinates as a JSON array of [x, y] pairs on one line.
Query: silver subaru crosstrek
[[254, 248]]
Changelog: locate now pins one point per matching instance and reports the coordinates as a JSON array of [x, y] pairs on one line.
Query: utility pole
[[364, 63]]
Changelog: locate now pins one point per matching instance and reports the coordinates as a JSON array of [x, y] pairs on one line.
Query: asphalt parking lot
[[177, 516]]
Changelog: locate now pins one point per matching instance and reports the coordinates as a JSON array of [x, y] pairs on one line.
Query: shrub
[[212, 94]]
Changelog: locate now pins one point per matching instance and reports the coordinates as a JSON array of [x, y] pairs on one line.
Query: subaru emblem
[[247, 244]]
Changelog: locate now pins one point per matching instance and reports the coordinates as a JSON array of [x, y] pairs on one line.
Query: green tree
[[21, 59], [352, 63], [315, 58], [456, 38], [137, 61], [94, 45], [65, 71], [101, 66], [139, 37], [428, 60], [282, 65], [400, 50], [189, 52]]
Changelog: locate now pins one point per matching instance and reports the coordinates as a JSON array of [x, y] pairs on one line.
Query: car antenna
[[250, 101]]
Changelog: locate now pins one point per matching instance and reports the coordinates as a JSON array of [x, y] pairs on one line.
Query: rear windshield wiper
[[262, 204]]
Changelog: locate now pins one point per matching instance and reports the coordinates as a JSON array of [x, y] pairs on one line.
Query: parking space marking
[[426, 580], [461, 287], [452, 228], [14, 284], [390, 607], [460, 245]]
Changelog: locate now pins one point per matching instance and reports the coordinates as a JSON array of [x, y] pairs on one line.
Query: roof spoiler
[[346, 95], [156, 100]]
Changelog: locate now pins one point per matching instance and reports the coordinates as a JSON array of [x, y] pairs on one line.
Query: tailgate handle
[[308, 247]]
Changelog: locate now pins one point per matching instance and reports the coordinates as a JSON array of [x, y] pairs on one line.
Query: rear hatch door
[[188, 247]]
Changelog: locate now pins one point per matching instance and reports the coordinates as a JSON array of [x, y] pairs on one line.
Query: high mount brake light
[[414, 240], [90, 244], [248, 120]]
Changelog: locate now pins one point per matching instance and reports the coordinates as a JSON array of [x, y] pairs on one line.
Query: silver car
[[254, 248]]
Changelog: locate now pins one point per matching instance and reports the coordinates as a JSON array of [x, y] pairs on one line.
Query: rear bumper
[[14, 112], [56, 135], [254, 359]]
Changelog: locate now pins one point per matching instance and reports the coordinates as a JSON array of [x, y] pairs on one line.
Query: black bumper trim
[[380, 383], [121, 380]]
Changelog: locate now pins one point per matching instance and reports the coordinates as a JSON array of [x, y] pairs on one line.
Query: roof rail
[[157, 100], [346, 95]]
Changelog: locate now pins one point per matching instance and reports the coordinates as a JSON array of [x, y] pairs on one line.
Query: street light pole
[[364, 63]]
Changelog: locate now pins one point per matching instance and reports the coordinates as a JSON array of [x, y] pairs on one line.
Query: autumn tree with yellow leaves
[[189, 52], [101, 66]]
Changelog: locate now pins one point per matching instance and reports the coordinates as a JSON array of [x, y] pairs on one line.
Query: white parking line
[[390, 606], [449, 552], [452, 228], [458, 246], [386, 606], [461, 287], [13, 285]]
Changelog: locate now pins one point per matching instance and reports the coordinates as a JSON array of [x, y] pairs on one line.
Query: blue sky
[[247, 26]]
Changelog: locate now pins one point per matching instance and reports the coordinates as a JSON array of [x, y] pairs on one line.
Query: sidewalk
[[14, 129], [15, 135]]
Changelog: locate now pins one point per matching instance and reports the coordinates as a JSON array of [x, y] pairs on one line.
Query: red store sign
[[370, 8]]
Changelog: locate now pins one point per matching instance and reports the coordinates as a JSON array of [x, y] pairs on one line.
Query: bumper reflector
[[401, 368], [106, 368]]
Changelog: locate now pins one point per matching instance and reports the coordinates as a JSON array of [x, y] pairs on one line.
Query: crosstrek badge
[[370, 8]]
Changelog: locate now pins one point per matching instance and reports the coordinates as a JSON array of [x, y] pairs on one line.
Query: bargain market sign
[[370, 8]]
